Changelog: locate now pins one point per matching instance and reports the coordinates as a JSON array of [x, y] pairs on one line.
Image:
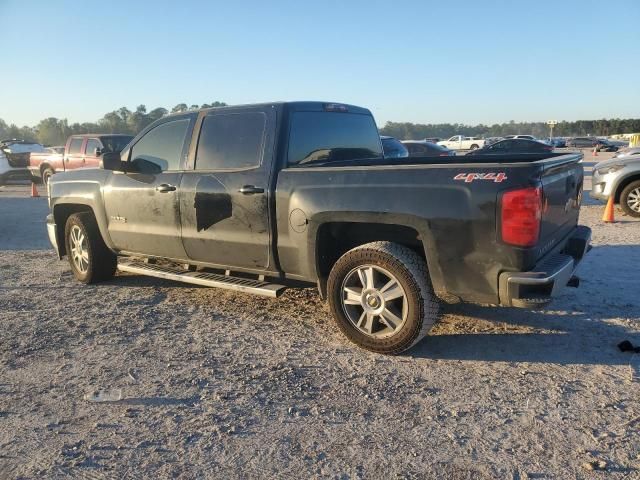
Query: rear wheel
[[630, 199], [90, 259], [474, 147], [381, 298]]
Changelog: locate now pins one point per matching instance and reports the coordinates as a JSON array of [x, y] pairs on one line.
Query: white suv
[[14, 159]]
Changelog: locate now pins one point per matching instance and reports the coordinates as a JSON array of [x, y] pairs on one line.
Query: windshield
[[435, 146], [115, 143], [393, 148], [23, 147]]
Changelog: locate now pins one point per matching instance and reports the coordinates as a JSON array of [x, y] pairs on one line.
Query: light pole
[[551, 123]]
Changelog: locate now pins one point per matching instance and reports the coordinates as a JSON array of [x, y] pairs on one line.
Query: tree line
[[604, 127], [55, 131]]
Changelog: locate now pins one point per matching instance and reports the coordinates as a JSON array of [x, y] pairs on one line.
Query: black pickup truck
[[258, 198]]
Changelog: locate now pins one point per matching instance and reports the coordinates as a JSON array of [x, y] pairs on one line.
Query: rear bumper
[[536, 288]]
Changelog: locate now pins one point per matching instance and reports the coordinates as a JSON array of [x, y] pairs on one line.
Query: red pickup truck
[[80, 151]]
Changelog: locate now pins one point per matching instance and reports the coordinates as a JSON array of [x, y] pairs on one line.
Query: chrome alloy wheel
[[79, 251], [374, 301], [633, 200]]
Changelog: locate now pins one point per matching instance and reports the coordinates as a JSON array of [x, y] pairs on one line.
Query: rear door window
[[92, 144], [332, 137], [75, 146], [502, 146], [231, 141]]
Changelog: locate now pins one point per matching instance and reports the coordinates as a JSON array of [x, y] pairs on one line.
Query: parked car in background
[[393, 148], [424, 148], [526, 137], [581, 142], [604, 145], [432, 139], [459, 142], [627, 152], [619, 143], [618, 177], [81, 151], [513, 145], [14, 159], [557, 142]]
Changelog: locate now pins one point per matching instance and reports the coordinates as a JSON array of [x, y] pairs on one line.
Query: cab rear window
[[332, 137]]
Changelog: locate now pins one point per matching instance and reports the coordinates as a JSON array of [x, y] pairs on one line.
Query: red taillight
[[521, 213]]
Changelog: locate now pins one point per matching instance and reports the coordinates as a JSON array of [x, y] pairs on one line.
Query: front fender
[[79, 191]]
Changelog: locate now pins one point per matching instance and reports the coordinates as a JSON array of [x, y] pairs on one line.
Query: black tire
[[410, 271], [101, 262], [46, 175], [624, 198], [474, 147]]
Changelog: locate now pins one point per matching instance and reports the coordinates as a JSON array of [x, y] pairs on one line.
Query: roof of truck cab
[[297, 106]]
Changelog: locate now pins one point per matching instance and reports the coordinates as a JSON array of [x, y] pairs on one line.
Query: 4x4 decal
[[470, 177]]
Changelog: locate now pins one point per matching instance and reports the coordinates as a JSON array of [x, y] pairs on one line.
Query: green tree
[[181, 107], [52, 131]]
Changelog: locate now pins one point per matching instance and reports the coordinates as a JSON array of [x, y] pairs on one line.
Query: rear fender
[[311, 254]]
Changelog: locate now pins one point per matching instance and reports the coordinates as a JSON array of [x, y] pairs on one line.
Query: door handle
[[165, 187], [251, 189]]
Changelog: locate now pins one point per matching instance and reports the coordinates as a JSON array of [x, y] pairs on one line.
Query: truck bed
[[452, 206]]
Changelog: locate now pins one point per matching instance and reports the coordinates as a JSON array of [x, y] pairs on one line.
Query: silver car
[[627, 152], [619, 177]]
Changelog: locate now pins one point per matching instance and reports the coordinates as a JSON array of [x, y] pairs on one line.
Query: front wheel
[[90, 259], [630, 199], [381, 298]]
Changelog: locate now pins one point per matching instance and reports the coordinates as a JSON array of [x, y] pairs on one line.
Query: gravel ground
[[215, 384]]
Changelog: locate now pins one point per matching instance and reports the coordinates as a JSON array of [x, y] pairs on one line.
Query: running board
[[205, 279]]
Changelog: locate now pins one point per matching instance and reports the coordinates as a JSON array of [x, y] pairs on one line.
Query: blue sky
[[419, 61]]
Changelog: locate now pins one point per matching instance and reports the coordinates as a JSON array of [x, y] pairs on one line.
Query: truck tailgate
[[562, 182]]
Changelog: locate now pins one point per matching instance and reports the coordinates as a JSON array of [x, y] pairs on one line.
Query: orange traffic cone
[[608, 211], [34, 190]]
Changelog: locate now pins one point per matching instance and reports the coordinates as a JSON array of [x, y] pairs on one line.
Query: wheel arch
[[61, 212], [336, 236], [44, 166], [623, 184]]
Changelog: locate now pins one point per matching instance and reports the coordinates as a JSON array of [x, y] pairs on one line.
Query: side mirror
[[112, 161], [97, 152]]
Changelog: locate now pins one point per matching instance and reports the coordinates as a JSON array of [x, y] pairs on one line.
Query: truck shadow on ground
[[582, 326], [583, 339]]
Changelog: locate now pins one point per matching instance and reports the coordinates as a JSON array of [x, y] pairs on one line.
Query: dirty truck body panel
[[284, 189], [454, 220]]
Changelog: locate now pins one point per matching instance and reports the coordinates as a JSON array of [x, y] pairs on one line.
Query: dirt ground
[[215, 384]]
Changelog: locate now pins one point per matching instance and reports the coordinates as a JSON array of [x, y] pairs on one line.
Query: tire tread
[[402, 257], [103, 262]]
